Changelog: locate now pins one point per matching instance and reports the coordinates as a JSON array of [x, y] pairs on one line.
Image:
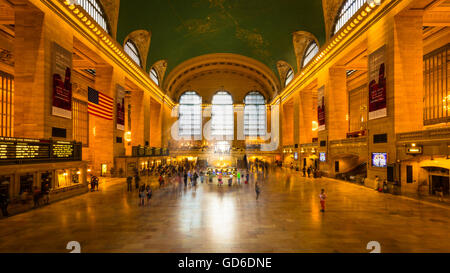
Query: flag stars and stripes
[[100, 105]]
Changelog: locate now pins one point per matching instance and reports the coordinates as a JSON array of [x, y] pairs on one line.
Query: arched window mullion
[[222, 120], [255, 115], [289, 77], [310, 52], [95, 10], [154, 76], [346, 12], [132, 51], [190, 115]]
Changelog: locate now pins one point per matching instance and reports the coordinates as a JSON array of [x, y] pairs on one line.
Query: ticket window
[[76, 176], [26, 184], [5, 185], [63, 179], [46, 180]]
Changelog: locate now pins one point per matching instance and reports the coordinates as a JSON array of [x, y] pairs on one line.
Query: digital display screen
[[13, 149], [379, 160], [322, 157]]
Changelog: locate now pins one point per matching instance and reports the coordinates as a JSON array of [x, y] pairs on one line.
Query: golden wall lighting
[[128, 136]]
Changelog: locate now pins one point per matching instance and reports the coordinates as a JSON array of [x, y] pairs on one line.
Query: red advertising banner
[[377, 85], [321, 116], [62, 85], [120, 108]]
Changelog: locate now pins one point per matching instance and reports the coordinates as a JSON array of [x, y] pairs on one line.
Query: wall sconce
[[315, 126], [127, 136]]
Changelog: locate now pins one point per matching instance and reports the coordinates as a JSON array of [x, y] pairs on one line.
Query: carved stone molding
[[160, 67], [330, 10], [141, 39], [301, 40], [111, 8], [283, 68]]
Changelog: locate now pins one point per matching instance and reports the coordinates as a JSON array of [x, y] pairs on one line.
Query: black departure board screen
[[20, 150]]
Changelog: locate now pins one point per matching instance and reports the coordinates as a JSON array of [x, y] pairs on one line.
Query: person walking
[[304, 171], [247, 178], [322, 197], [239, 178], [202, 177], [4, 201], [161, 181], [149, 194], [129, 182], [96, 183], [309, 172], [441, 194], [136, 181], [220, 179], [185, 179], [141, 196], [257, 190]]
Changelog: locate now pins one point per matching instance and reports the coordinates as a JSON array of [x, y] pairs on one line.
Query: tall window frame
[[6, 104], [289, 77], [436, 75], [132, 50], [222, 115], [310, 52], [95, 9], [80, 122], [255, 115], [190, 115], [154, 76], [346, 12]]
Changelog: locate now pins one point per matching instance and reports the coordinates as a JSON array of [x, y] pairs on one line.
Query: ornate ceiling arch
[[236, 73]]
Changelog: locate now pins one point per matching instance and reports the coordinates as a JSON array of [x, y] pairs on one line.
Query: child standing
[[322, 197]]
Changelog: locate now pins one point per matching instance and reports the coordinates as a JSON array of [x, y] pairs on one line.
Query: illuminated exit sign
[[418, 150]]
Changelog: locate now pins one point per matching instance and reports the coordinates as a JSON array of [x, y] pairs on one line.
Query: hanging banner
[[321, 117], [120, 108], [377, 84], [62, 85]]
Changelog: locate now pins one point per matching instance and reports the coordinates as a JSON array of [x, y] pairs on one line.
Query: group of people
[[309, 171], [94, 183]]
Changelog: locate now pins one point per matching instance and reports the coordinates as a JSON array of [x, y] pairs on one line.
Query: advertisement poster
[[321, 118], [120, 108], [62, 85], [379, 160], [377, 84]]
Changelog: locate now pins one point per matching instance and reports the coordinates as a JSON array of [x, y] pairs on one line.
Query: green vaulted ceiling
[[183, 29]]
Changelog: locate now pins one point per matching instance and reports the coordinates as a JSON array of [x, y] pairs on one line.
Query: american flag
[[100, 105]]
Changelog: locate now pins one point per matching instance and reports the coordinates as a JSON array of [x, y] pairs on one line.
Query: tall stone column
[[408, 71], [30, 77], [306, 116], [336, 106]]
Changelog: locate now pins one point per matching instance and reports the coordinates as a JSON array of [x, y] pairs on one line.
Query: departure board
[[19, 149]]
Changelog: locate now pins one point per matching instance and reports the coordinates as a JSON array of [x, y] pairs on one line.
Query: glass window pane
[[222, 120], [190, 115], [255, 115]]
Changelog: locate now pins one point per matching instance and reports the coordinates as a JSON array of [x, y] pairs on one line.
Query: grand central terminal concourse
[[224, 126]]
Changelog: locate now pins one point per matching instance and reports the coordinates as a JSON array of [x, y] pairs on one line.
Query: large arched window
[[222, 120], [154, 76], [95, 10], [347, 10], [132, 51], [254, 115], [190, 115], [289, 77], [310, 52]]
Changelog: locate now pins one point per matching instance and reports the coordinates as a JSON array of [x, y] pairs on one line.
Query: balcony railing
[[434, 134]]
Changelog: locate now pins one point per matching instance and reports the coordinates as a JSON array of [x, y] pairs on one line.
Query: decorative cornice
[[78, 18], [343, 38]]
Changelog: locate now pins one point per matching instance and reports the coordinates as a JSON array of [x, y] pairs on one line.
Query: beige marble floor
[[212, 219]]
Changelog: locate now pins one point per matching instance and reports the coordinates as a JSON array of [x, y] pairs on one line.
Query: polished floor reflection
[[287, 218]]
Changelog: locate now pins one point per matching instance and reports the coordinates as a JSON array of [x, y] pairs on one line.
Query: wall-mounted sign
[[62, 86], [296, 156], [377, 84], [17, 150], [321, 116], [417, 150], [120, 108], [322, 157], [379, 160]]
